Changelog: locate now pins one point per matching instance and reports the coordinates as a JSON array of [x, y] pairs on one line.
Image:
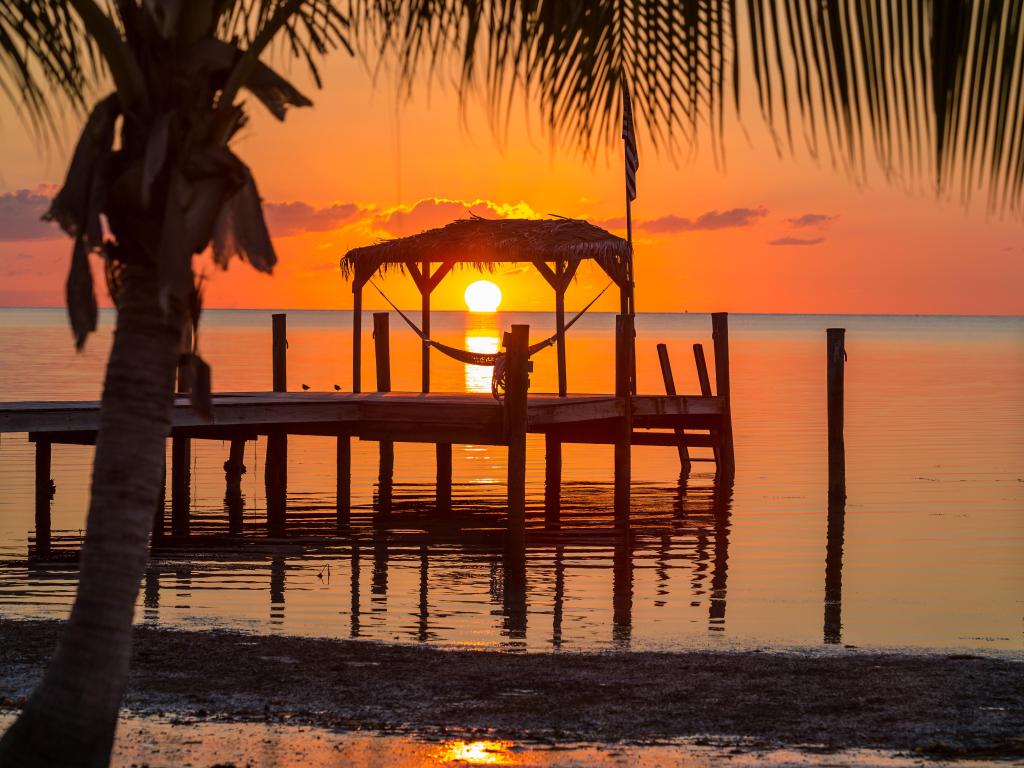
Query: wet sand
[[925, 704]]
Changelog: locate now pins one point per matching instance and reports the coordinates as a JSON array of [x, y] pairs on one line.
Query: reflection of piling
[[354, 590], [343, 480], [722, 509], [277, 577], [559, 603], [833, 632], [514, 588], [423, 624], [552, 480], [276, 461], [836, 350], [622, 592]]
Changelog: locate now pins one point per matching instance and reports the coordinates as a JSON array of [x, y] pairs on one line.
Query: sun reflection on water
[[482, 340], [475, 753]]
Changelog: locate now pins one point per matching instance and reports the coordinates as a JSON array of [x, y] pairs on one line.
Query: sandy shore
[[940, 705]]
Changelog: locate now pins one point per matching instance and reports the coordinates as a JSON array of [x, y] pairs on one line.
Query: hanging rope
[[483, 358]]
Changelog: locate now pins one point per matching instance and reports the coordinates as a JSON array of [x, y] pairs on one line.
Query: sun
[[483, 296]]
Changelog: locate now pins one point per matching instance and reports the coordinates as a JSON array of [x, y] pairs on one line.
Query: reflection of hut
[[554, 246]]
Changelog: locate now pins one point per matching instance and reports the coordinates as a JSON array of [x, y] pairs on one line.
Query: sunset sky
[[765, 233]]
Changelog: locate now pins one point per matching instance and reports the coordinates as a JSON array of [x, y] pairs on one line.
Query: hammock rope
[[483, 358]]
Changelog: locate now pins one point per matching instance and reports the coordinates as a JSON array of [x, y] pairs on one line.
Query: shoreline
[[954, 705]]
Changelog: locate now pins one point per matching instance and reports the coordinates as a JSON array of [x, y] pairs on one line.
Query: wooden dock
[[621, 419]]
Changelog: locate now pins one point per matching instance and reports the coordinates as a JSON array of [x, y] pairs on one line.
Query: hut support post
[[552, 480], [276, 461], [670, 389], [425, 291], [382, 355], [623, 361], [720, 337], [357, 334], [560, 288], [517, 344], [44, 493]]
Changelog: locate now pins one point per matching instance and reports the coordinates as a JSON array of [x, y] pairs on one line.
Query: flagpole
[[630, 308]]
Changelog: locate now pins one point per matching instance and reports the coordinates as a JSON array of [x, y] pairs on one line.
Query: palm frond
[[929, 88]]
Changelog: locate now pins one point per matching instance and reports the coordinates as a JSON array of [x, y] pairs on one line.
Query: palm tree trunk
[[71, 717]]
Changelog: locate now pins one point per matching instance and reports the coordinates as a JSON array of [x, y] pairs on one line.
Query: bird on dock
[[305, 387], [337, 388]]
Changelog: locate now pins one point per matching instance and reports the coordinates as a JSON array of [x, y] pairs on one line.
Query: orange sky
[[764, 234]]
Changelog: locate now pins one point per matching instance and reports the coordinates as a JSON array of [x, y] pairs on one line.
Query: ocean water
[[930, 553]]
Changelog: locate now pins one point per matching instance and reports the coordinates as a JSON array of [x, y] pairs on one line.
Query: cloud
[[290, 219], [796, 241], [21, 215], [706, 222], [812, 220], [437, 211]]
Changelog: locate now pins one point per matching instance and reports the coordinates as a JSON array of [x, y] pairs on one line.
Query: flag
[[629, 139]]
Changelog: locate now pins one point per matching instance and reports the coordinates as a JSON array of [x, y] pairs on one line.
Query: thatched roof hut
[[556, 247], [484, 243]]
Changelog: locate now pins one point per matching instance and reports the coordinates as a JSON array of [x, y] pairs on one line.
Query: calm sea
[[931, 552]]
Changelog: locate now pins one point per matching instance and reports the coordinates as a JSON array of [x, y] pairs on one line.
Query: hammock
[[484, 358]]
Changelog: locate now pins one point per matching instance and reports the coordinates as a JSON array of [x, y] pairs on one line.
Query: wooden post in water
[[44, 493], [670, 389], [623, 450], [181, 458], [276, 461], [835, 345], [552, 480], [517, 353], [443, 453], [382, 356], [836, 368], [720, 336], [234, 468]]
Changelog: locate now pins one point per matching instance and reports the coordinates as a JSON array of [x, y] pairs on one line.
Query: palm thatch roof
[[484, 243]]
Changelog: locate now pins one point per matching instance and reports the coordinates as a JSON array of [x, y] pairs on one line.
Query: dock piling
[[443, 453], [720, 337], [836, 369], [234, 468], [623, 388], [44, 495], [276, 461], [181, 460], [382, 357], [517, 352]]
